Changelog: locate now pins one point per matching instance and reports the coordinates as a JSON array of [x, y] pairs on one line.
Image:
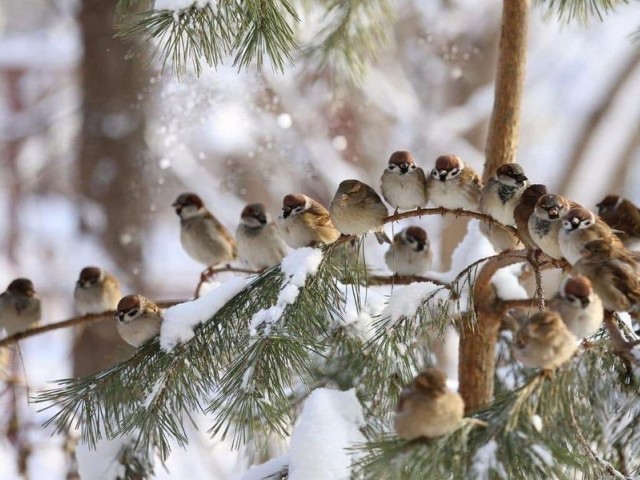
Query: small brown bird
[[357, 209], [613, 273], [427, 407], [543, 341], [579, 306], [138, 319], [453, 185], [96, 291], [203, 237], [403, 183], [258, 238], [501, 194], [304, 222], [546, 222], [524, 209], [410, 253], [19, 307], [579, 227], [622, 215]]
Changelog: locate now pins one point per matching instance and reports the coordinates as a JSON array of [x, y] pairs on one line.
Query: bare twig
[[620, 345], [210, 272], [403, 280], [419, 212], [602, 463], [72, 322]]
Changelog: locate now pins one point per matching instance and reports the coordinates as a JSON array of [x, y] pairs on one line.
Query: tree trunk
[[478, 340], [111, 165], [504, 128]]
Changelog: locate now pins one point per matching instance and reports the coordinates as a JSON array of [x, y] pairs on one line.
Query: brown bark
[[111, 165], [504, 127], [478, 340]]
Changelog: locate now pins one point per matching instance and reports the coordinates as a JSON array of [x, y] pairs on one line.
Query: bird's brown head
[[22, 287], [609, 204], [431, 379], [511, 174], [416, 237], [254, 214], [128, 307], [532, 193], [189, 201], [577, 290], [447, 167], [294, 204], [401, 162], [578, 218], [89, 276], [552, 205]]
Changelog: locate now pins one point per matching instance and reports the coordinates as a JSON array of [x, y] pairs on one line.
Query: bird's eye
[[132, 313], [453, 172], [391, 167], [586, 224], [413, 167], [434, 173]]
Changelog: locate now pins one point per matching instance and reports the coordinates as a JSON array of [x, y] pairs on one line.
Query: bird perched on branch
[[453, 184], [427, 407], [499, 198], [203, 237], [579, 306], [524, 209], [258, 238], [304, 222], [546, 222], [543, 341], [410, 253], [579, 227], [403, 183], [357, 209], [613, 273], [621, 215], [138, 319], [19, 307], [96, 291]]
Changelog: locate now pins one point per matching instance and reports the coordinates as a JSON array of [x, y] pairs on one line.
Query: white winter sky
[[210, 136]]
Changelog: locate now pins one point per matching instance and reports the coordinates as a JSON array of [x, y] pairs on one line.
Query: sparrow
[[138, 319], [579, 227], [304, 222], [403, 184], [96, 291], [19, 307], [203, 237], [613, 273], [453, 185], [258, 238], [427, 407], [524, 209], [410, 254], [546, 222], [357, 209], [579, 306], [501, 194], [544, 341], [622, 215], [498, 199]]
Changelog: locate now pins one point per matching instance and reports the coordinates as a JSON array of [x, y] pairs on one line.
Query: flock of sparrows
[[604, 269]]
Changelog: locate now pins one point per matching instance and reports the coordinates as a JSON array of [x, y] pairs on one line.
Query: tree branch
[[620, 345], [418, 212]]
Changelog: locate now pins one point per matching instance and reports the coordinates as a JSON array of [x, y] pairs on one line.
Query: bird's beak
[[584, 302], [553, 212], [404, 168], [80, 284], [443, 176], [420, 247], [286, 212], [344, 197], [521, 179], [119, 316], [262, 219]]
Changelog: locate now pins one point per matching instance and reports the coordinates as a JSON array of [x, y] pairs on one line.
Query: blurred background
[[95, 144]]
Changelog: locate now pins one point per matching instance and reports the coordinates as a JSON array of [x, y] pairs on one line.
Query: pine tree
[[274, 337]]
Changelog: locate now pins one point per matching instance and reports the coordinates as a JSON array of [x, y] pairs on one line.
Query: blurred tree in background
[[120, 143]]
